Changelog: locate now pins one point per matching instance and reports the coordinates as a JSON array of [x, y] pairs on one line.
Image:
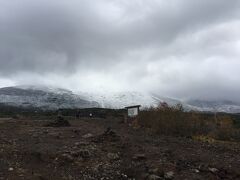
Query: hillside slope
[[55, 98], [44, 98]]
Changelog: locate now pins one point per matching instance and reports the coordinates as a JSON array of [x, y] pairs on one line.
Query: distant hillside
[[215, 106], [44, 98], [54, 98]]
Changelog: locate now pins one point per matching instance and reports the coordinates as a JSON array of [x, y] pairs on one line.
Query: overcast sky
[[176, 48]]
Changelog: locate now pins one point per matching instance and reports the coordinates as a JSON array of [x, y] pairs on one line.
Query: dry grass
[[174, 121]]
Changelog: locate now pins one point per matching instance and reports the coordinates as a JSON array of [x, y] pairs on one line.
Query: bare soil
[[108, 149]]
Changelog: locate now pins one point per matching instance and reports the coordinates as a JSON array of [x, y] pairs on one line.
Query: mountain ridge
[[42, 98], [45, 97]]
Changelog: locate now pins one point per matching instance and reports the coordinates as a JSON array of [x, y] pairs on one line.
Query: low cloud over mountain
[[184, 49]]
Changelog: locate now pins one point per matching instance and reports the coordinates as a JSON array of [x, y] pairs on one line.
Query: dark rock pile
[[60, 122], [108, 135]]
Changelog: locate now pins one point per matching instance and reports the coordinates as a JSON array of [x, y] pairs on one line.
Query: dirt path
[[90, 150]]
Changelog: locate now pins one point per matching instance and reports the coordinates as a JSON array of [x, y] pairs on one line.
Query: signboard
[[132, 112]]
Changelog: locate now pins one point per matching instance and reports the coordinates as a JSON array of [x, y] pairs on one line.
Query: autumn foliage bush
[[173, 120]]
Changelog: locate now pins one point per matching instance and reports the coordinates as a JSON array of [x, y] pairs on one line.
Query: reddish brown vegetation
[[174, 121]]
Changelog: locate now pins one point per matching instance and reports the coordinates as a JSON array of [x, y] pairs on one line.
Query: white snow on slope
[[54, 98], [42, 97], [121, 99]]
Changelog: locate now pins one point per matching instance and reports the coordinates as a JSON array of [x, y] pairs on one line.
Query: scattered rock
[[55, 135], [77, 143], [169, 175], [153, 171], [67, 157], [84, 153], [196, 170], [203, 167], [125, 159], [139, 157], [113, 156], [156, 171], [76, 131], [40, 177], [10, 169], [124, 175], [213, 170], [153, 177], [45, 131], [89, 135], [35, 136], [108, 135]]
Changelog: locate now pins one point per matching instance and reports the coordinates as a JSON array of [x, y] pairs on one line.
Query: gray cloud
[[177, 48]]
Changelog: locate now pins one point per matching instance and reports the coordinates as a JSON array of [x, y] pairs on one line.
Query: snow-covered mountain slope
[[121, 99], [214, 106], [55, 98], [42, 97]]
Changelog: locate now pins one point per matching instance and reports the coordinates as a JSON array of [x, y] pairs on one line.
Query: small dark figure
[[59, 114], [78, 114]]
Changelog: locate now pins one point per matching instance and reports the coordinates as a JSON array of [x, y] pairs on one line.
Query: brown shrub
[[175, 121]]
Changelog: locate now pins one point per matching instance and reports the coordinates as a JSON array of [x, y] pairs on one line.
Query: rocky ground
[[108, 149]]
